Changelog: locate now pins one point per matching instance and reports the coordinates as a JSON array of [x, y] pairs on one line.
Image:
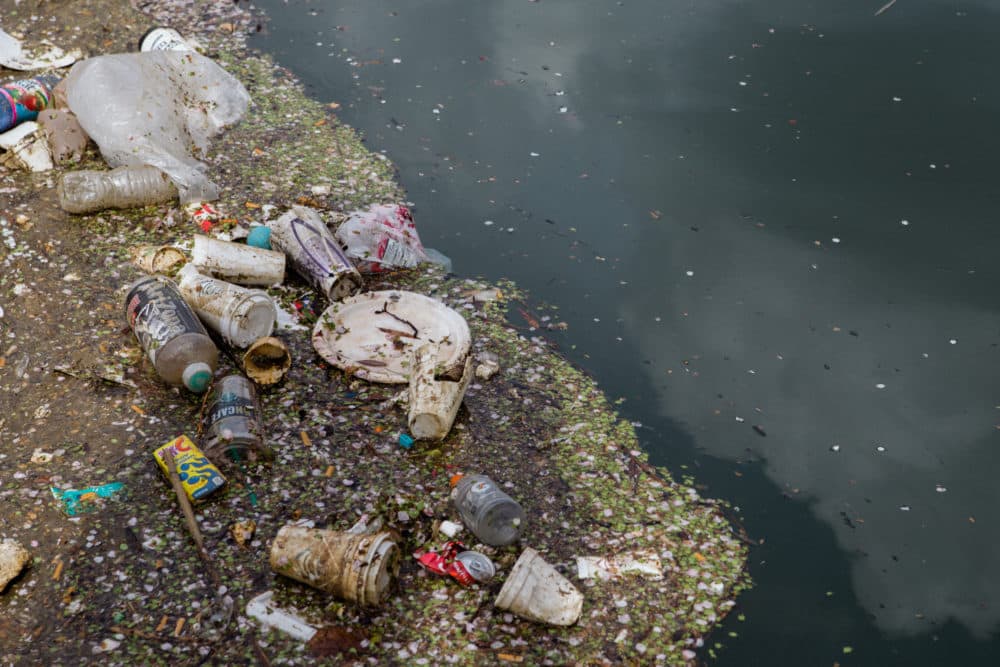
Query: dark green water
[[776, 214]]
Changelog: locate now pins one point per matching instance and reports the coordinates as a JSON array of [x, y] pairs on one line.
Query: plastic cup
[[240, 315], [536, 591], [355, 567], [237, 263]]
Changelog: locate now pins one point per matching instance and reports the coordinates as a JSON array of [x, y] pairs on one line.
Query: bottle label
[[25, 99], [164, 39], [157, 314], [394, 253], [230, 405]]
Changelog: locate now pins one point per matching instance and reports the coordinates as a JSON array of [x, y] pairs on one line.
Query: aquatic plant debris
[[130, 584]]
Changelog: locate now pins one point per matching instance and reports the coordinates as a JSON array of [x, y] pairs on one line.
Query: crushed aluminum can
[[453, 560]]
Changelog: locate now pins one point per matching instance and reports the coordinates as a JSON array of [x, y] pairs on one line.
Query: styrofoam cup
[[157, 258], [237, 263], [267, 360], [433, 403], [355, 567], [240, 315], [536, 591]]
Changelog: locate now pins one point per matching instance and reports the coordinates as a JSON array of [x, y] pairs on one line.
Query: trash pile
[[208, 303]]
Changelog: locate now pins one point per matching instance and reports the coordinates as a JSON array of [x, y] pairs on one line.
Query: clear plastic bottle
[[171, 334], [124, 187], [233, 421], [492, 515]]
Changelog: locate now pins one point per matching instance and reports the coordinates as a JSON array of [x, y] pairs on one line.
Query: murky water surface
[[770, 228]]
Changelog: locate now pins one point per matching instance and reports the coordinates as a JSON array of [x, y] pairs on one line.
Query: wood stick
[[185, 503]]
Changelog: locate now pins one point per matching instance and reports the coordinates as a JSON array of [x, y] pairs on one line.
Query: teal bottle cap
[[197, 377]]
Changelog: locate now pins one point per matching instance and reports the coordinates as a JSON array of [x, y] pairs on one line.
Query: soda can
[[478, 566], [314, 253], [163, 39]]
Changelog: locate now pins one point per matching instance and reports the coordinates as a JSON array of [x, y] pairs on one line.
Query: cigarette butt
[[179, 626], [329, 471], [139, 410], [163, 624], [305, 439], [58, 571], [510, 657]]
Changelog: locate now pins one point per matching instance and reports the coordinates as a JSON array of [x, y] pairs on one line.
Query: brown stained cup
[[352, 567], [267, 361], [157, 258]]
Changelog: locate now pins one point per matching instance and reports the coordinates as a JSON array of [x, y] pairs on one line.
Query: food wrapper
[[199, 476]]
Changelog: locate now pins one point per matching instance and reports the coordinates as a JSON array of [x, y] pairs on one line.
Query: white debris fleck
[[880, 386]]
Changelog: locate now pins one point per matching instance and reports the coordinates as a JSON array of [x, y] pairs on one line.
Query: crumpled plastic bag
[[382, 237], [158, 108]]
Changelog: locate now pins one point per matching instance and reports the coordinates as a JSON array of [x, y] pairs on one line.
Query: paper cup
[[266, 361], [353, 567], [536, 591], [237, 263]]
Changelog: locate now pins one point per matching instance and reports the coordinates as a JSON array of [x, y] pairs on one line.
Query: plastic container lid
[[197, 377]]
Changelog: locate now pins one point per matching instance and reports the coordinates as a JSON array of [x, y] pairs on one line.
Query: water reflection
[[720, 189]]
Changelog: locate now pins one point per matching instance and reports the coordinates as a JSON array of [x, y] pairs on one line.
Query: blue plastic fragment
[[405, 441], [84, 500], [260, 237]]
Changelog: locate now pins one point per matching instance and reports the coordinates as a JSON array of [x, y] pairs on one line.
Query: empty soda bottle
[[492, 515], [233, 421], [124, 187], [22, 100], [171, 334]]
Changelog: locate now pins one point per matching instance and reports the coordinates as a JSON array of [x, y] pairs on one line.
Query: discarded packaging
[[645, 562], [452, 559], [536, 591], [381, 237], [125, 187], [157, 258], [67, 140], [270, 616], [163, 39], [260, 237], [314, 254], [491, 515], [242, 532], [13, 558], [25, 148], [267, 361], [357, 568], [433, 403], [21, 101], [372, 335], [238, 314], [77, 501], [203, 214], [12, 55], [450, 528], [199, 476], [487, 366], [154, 108], [237, 263], [233, 421], [171, 334]]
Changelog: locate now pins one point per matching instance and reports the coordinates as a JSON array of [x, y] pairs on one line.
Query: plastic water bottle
[[233, 421], [124, 187], [492, 515], [22, 100], [171, 334]]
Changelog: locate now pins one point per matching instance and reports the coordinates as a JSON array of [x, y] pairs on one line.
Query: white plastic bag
[[382, 237], [157, 108]]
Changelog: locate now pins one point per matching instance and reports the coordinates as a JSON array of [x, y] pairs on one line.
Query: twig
[[157, 638], [385, 310], [885, 7], [192, 524]]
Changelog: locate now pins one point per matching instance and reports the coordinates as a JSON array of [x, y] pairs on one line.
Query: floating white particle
[[905, 223], [689, 273], [560, 93], [879, 448], [814, 266], [836, 239], [740, 419], [897, 99], [940, 489], [435, 111], [932, 165], [487, 222], [834, 448], [534, 154], [743, 83], [904, 508], [396, 61], [953, 341], [880, 386]]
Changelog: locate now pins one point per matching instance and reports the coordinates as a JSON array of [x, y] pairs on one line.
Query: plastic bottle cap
[[454, 478], [260, 237], [197, 376]]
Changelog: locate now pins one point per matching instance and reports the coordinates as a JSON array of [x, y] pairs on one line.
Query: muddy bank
[[125, 586]]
